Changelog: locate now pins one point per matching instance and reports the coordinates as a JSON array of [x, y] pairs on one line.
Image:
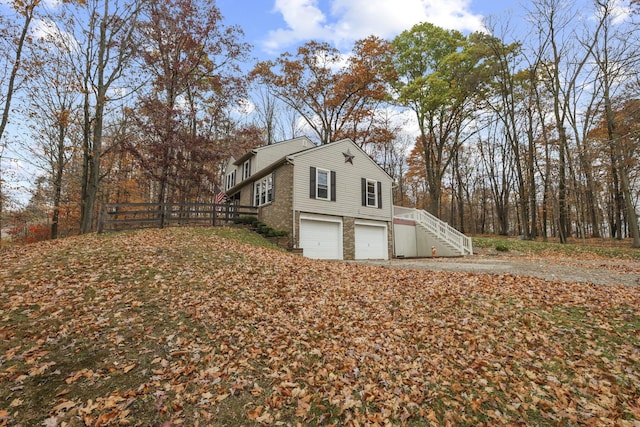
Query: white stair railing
[[439, 228]]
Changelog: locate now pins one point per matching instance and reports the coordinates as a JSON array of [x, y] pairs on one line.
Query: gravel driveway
[[599, 271]]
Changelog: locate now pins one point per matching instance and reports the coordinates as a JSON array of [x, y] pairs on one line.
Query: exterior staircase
[[434, 237]]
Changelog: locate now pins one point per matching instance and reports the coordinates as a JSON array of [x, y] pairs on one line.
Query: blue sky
[[276, 26]]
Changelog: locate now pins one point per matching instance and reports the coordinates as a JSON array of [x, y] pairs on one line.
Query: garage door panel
[[371, 242], [321, 239]]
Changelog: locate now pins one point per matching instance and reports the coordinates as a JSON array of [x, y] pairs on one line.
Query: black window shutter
[[333, 186], [312, 182], [363, 190], [379, 195]]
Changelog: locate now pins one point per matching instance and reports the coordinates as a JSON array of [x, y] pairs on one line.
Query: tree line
[[143, 101]]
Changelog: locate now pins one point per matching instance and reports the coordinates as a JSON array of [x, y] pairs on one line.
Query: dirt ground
[[596, 271]]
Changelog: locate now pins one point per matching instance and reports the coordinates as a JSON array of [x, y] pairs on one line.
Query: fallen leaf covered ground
[[194, 327]]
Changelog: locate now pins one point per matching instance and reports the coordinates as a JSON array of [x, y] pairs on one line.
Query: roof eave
[[260, 174]]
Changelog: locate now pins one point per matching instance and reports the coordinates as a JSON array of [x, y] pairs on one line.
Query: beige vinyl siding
[[268, 154], [228, 170], [230, 165], [348, 182]]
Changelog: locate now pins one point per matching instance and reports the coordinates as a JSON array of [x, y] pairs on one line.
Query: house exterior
[[333, 200]]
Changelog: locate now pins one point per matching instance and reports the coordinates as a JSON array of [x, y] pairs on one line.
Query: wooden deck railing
[[128, 216]]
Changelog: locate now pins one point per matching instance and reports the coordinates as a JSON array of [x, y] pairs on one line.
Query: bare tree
[[11, 52], [563, 66], [616, 55], [25, 9], [98, 38], [267, 112], [509, 105], [497, 161]]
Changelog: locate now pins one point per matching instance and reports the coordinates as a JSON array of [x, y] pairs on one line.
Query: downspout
[[393, 214], [294, 240]]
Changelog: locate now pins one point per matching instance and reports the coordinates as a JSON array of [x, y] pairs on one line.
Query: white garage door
[[321, 239], [371, 241]]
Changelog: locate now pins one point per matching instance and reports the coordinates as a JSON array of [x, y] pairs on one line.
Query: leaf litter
[[193, 327]]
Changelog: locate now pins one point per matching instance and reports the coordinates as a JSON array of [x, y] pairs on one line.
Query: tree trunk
[[109, 66], [616, 214], [619, 159], [87, 164], [563, 217], [57, 181], [459, 193], [632, 217], [28, 16], [533, 204], [545, 197]]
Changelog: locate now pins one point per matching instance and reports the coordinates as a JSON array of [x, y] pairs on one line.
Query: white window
[[269, 189], [231, 180], [256, 194], [323, 183], [372, 193], [246, 169], [263, 191]]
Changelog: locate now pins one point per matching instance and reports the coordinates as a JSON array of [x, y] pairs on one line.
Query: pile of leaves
[[194, 327]]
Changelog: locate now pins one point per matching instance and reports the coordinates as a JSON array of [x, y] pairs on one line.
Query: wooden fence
[[129, 216]]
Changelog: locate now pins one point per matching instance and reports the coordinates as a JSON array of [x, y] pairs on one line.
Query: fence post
[[162, 209], [101, 219]]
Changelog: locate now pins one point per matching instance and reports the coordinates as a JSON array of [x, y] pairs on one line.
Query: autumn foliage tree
[[54, 109], [193, 61], [438, 74], [96, 37], [336, 96], [618, 155]]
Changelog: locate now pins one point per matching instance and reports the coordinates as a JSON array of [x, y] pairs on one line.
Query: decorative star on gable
[[348, 157]]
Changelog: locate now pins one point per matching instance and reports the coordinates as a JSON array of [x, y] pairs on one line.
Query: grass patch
[[579, 249]]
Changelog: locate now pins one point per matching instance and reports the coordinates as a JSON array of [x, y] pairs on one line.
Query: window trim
[[263, 191], [328, 185], [377, 193], [369, 194], [231, 179], [313, 186], [246, 169]]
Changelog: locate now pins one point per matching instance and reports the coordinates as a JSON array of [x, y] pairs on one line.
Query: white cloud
[[245, 107], [44, 29], [621, 12], [49, 31], [349, 20], [52, 4]]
